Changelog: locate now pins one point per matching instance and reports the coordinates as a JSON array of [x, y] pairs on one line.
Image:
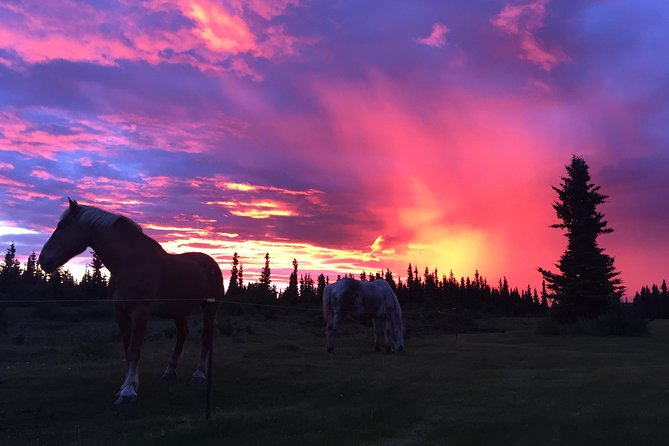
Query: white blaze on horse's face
[[68, 240]]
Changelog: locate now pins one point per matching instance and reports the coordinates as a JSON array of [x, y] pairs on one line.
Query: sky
[[348, 135]]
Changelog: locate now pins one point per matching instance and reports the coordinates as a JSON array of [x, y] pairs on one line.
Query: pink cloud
[[437, 38], [103, 133], [214, 41], [6, 166], [220, 30], [44, 175], [26, 137], [522, 21]]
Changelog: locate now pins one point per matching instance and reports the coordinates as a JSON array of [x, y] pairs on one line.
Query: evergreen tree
[[389, 278], [544, 296], [321, 283], [10, 271], [587, 283], [32, 272], [233, 285], [291, 293], [55, 283], [97, 282], [410, 285], [307, 289], [265, 274], [240, 278], [86, 278], [31, 267]]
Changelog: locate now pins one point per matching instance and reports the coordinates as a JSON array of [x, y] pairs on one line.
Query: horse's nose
[[46, 262]]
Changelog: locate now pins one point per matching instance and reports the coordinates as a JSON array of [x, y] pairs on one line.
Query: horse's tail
[[216, 286], [214, 275]]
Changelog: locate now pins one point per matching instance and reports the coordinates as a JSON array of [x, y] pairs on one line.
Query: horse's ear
[[74, 206]]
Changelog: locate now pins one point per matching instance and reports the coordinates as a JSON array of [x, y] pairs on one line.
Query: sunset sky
[[349, 135]]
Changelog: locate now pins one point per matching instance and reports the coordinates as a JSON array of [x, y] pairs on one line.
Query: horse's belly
[[174, 309]]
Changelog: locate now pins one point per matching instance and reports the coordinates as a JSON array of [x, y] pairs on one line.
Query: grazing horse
[[145, 280], [364, 301]]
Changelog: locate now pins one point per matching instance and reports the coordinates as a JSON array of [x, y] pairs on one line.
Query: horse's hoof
[[377, 349], [125, 401], [400, 348], [198, 380], [169, 376], [331, 351]]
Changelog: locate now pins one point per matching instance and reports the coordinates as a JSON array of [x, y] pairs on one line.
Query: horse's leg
[[128, 393], [209, 313], [331, 330], [170, 372], [377, 335], [124, 325], [387, 325]]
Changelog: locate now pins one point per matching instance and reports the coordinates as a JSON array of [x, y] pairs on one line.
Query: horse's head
[[70, 238]]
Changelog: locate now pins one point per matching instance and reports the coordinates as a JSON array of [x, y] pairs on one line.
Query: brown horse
[[145, 280]]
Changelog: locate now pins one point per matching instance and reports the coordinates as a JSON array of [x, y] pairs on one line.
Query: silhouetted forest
[[424, 289]]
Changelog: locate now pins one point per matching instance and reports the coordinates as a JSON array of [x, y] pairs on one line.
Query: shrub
[[619, 320], [622, 320]]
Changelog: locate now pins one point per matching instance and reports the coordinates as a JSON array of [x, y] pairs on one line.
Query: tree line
[[28, 282]]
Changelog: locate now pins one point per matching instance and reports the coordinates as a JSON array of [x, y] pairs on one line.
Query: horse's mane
[[99, 218]]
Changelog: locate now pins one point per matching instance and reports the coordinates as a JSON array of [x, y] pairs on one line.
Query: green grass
[[275, 385]]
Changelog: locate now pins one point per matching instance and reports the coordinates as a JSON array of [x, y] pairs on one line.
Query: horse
[[364, 301], [144, 280]]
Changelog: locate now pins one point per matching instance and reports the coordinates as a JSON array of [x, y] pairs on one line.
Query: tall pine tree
[[587, 282], [291, 294], [265, 274], [10, 271], [233, 285], [97, 284]]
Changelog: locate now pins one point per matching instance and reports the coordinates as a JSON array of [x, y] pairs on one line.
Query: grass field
[[274, 385]]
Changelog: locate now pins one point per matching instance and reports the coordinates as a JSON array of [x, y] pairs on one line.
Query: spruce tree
[[389, 278], [291, 293], [265, 275], [321, 283], [31, 273], [233, 285], [240, 278], [587, 283], [10, 271], [97, 285], [307, 288]]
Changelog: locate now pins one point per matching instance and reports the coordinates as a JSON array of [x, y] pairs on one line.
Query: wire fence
[[222, 301]]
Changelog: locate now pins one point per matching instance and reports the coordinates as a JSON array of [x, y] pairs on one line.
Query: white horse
[[364, 301]]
